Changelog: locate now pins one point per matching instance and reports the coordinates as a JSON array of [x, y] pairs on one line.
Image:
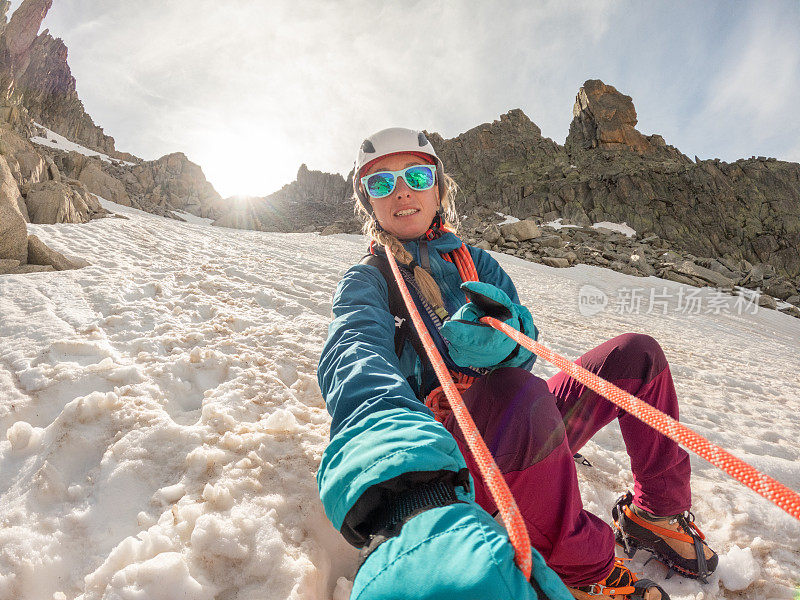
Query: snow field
[[164, 422], [163, 425]]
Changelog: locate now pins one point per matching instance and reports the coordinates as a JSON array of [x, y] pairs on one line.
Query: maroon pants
[[533, 427]]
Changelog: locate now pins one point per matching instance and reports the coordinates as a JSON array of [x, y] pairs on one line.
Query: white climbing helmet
[[392, 141]]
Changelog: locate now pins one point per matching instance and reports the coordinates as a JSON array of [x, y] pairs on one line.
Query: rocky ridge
[[743, 215], [739, 220], [42, 183]]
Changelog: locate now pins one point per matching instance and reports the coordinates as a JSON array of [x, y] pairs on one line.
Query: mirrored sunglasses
[[417, 177]]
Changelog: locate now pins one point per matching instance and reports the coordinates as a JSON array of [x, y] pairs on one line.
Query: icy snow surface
[[619, 227], [161, 424], [557, 224], [506, 218], [191, 218]]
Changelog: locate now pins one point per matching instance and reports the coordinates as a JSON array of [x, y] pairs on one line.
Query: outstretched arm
[[387, 452]]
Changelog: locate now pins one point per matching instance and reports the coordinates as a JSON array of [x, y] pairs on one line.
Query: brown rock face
[[54, 202], [40, 254], [24, 25], [101, 183], [13, 231], [34, 73], [172, 182], [489, 156], [605, 118], [27, 165]]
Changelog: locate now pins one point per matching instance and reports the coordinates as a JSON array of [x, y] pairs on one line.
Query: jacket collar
[[444, 242]]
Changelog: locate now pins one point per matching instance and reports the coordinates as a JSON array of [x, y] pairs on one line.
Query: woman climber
[[397, 478]]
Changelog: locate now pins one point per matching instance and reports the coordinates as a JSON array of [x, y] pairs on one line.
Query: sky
[[251, 89]]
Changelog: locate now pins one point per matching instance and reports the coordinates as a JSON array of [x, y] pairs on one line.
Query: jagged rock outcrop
[[496, 164], [40, 254], [175, 182], [310, 203], [34, 74], [171, 183], [749, 209], [25, 162], [54, 202], [101, 183], [604, 118], [13, 230]]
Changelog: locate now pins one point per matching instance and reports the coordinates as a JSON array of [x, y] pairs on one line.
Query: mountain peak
[[605, 118]]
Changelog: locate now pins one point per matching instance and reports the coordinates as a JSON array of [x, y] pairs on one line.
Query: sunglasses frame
[[397, 175]]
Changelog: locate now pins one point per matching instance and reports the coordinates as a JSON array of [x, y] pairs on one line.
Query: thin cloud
[[250, 90]]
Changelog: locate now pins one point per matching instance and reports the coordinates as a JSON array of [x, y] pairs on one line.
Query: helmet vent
[[367, 147], [422, 140]]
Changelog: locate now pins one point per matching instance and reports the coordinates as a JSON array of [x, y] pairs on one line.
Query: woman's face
[[405, 213]]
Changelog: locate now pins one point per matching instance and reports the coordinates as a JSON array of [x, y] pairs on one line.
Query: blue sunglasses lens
[[380, 185], [420, 177]]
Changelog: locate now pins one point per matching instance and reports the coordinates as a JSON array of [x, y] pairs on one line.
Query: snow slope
[[163, 424], [53, 140]]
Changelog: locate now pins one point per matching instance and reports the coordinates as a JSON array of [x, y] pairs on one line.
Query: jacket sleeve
[[380, 431], [490, 271]]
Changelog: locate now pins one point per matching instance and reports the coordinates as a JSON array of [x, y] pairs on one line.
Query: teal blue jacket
[[380, 430]]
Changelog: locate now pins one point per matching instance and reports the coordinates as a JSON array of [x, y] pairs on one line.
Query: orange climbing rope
[[764, 485], [509, 512], [437, 399]]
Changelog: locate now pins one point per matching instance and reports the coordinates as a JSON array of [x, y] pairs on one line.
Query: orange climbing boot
[[674, 541], [620, 584]]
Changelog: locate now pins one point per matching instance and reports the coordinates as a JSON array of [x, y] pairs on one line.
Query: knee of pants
[[641, 350], [517, 415]]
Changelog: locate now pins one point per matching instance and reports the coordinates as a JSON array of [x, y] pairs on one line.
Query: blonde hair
[[375, 233]]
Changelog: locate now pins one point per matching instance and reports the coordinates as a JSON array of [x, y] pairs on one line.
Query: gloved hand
[[455, 551], [473, 344]]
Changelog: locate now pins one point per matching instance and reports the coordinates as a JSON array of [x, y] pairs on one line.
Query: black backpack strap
[[404, 326]]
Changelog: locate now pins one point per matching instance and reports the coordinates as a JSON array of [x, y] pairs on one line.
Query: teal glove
[[473, 344]]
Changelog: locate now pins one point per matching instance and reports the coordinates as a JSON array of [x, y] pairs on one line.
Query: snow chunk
[[23, 436], [558, 225], [281, 421], [344, 588], [738, 569], [170, 494], [214, 536], [620, 227], [218, 496], [163, 577], [506, 218], [33, 379]]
